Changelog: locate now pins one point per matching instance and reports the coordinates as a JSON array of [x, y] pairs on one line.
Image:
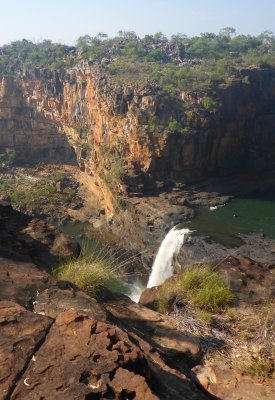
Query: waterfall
[[170, 247], [135, 291]]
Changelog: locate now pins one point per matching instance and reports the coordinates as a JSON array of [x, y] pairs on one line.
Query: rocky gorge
[[125, 139], [140, 162]]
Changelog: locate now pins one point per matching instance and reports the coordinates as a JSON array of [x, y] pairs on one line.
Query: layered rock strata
[[117, 130]]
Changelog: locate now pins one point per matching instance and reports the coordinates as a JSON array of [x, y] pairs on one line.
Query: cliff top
[[175, 64]]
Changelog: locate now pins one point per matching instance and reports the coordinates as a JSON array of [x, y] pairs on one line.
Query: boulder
[[228, 384], [148, 297], [24, 238]]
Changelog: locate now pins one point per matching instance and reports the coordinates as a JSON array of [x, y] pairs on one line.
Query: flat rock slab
[[82, 358], [20, 281], [21, 331], [64, 296], [158, 329]]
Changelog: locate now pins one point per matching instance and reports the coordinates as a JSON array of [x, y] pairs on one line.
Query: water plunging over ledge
[[169, 248]]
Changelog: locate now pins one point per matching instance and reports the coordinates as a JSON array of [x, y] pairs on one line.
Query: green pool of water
[[242, 215]]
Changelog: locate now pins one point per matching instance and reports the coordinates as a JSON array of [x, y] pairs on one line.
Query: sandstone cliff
[[139, 136]]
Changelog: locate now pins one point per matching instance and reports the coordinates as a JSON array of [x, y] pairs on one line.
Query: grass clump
[[92, 271], [205, 289], [204, 316], [199, 286], [257, 366]]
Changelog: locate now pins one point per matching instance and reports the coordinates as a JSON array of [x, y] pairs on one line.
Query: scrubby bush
[[210, 104], [174, 126], [12, 158], [57, 176]]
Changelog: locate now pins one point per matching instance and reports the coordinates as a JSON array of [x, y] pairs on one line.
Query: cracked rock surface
[[82, 357], [21, 332], [56, 342]]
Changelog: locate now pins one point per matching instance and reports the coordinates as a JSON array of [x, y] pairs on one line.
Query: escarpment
[[152, 135], [139, 140], [136, 139]]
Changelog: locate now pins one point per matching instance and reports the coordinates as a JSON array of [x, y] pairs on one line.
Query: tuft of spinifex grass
[[205, 289], [200, 286], [92, 271]]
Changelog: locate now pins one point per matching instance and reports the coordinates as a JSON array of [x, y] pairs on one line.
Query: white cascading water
[[135, 291], [170, 247]]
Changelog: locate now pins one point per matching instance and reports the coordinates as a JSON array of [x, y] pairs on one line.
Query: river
[[242, 215]]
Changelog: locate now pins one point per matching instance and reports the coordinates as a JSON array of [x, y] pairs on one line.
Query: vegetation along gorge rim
[[117, 141]]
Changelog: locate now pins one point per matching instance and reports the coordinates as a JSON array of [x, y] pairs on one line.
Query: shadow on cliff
[[237, 184], [35, 136]]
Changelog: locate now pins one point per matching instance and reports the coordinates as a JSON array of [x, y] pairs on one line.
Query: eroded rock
[[83, 358], [21, 332]]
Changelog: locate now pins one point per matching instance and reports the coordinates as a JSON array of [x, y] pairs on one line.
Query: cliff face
[[129, 132], [25, 129]]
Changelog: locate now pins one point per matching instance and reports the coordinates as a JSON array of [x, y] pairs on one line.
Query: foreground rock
[[82, 357], [21, 333], [157, 329], [238, 344], [56, 342]]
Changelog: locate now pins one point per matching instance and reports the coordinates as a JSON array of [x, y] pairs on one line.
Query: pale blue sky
[[66, 20]]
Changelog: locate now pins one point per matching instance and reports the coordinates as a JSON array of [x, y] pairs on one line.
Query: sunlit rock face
[[80, 113], [27, 131]]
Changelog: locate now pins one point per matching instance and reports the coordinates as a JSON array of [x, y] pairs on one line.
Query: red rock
[[81, 357], [20, 333]]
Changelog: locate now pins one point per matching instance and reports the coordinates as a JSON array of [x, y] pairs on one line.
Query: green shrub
[[57, 176], [204, 316], [210, 104], [113, 170], [86, 147], [12, 159], [174, 126], [205, 289], [231, 315], [198, 285], [167, 296], [92, 271]]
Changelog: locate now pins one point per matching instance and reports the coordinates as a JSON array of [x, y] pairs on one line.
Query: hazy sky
[[66, 20]]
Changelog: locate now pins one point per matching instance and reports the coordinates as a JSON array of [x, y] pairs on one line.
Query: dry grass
[[241, 338], [257, 364]]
